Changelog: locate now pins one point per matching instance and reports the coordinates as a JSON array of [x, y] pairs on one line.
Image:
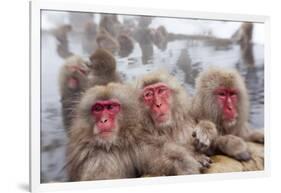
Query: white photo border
[[35, 94]]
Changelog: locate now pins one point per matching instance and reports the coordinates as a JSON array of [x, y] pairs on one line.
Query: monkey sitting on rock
[[221, 97]]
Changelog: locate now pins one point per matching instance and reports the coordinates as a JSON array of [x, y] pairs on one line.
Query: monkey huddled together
[[152, 127]]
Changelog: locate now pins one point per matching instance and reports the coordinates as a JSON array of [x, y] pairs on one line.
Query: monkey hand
[[204, 134], [204, 160], [233, 146]]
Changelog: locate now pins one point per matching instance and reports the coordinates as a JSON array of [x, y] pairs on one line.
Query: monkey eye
[[232, 93], [148, 94], [97, 108], [221, 93], [113, 107], [162, 90]]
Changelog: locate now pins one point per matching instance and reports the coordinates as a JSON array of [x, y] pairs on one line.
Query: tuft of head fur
[[204, 102], [102, 62]]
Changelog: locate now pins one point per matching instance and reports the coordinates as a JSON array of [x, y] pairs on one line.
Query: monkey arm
[[251, 135], [203, 135], [232, 146]]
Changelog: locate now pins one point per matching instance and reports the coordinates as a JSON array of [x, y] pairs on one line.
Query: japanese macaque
[[102, 135], [184, 62], [111, 24], [165, 106], [244, 37], [73, 82], [160, 38], [106, 41], [126, 45], [144, 37], [89, 43], [102, 68], [221, 97], [61, 34]]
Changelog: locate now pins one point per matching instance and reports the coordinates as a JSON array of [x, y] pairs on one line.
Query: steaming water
[[198, 54]]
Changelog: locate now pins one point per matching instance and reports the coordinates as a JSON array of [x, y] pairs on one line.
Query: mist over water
[[182, 58]]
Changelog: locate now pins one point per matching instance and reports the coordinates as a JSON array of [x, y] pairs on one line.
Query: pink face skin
[[227, 99], [73, 82], [157, 98], [105, 114]]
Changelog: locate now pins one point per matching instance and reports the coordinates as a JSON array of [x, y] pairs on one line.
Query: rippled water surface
[[182, 58]]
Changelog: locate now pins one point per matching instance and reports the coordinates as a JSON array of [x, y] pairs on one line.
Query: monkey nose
[[158, 105], [103, 120]]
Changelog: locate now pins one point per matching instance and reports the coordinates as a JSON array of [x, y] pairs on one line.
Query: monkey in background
[[76, 77], [61, 35], [73, 82], [89, 43], [243, 36], [106, 41], [221, 97], [160, 38], [102, 68], [165, 106], [126, 44], [111, 24]]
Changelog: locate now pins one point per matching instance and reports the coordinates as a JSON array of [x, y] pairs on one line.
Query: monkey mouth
[[106, 133], [161, 117]]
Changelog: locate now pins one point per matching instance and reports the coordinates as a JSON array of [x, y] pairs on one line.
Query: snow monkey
[[102, 134], [107, 139], [76, 76], [165, 106], [72, 83], [103, 68], [221, 97]]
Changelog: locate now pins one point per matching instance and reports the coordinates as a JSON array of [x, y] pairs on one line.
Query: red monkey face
[[157, 98], [227, 99], [75, 71], [105, 114]]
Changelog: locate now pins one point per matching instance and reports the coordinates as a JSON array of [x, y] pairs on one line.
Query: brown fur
[[230, 138], [160, 38], [107, 41], [103, 68], [61, 34], [111, 24], [92, 158], [126, 45], [89, 43], [70, 97], [174, 138]]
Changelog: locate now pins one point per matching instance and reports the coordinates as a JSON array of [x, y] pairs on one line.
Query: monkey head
[[157, 97], [163, 98], [223, 95], [73, 75], [107, 113], [102, 62]]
